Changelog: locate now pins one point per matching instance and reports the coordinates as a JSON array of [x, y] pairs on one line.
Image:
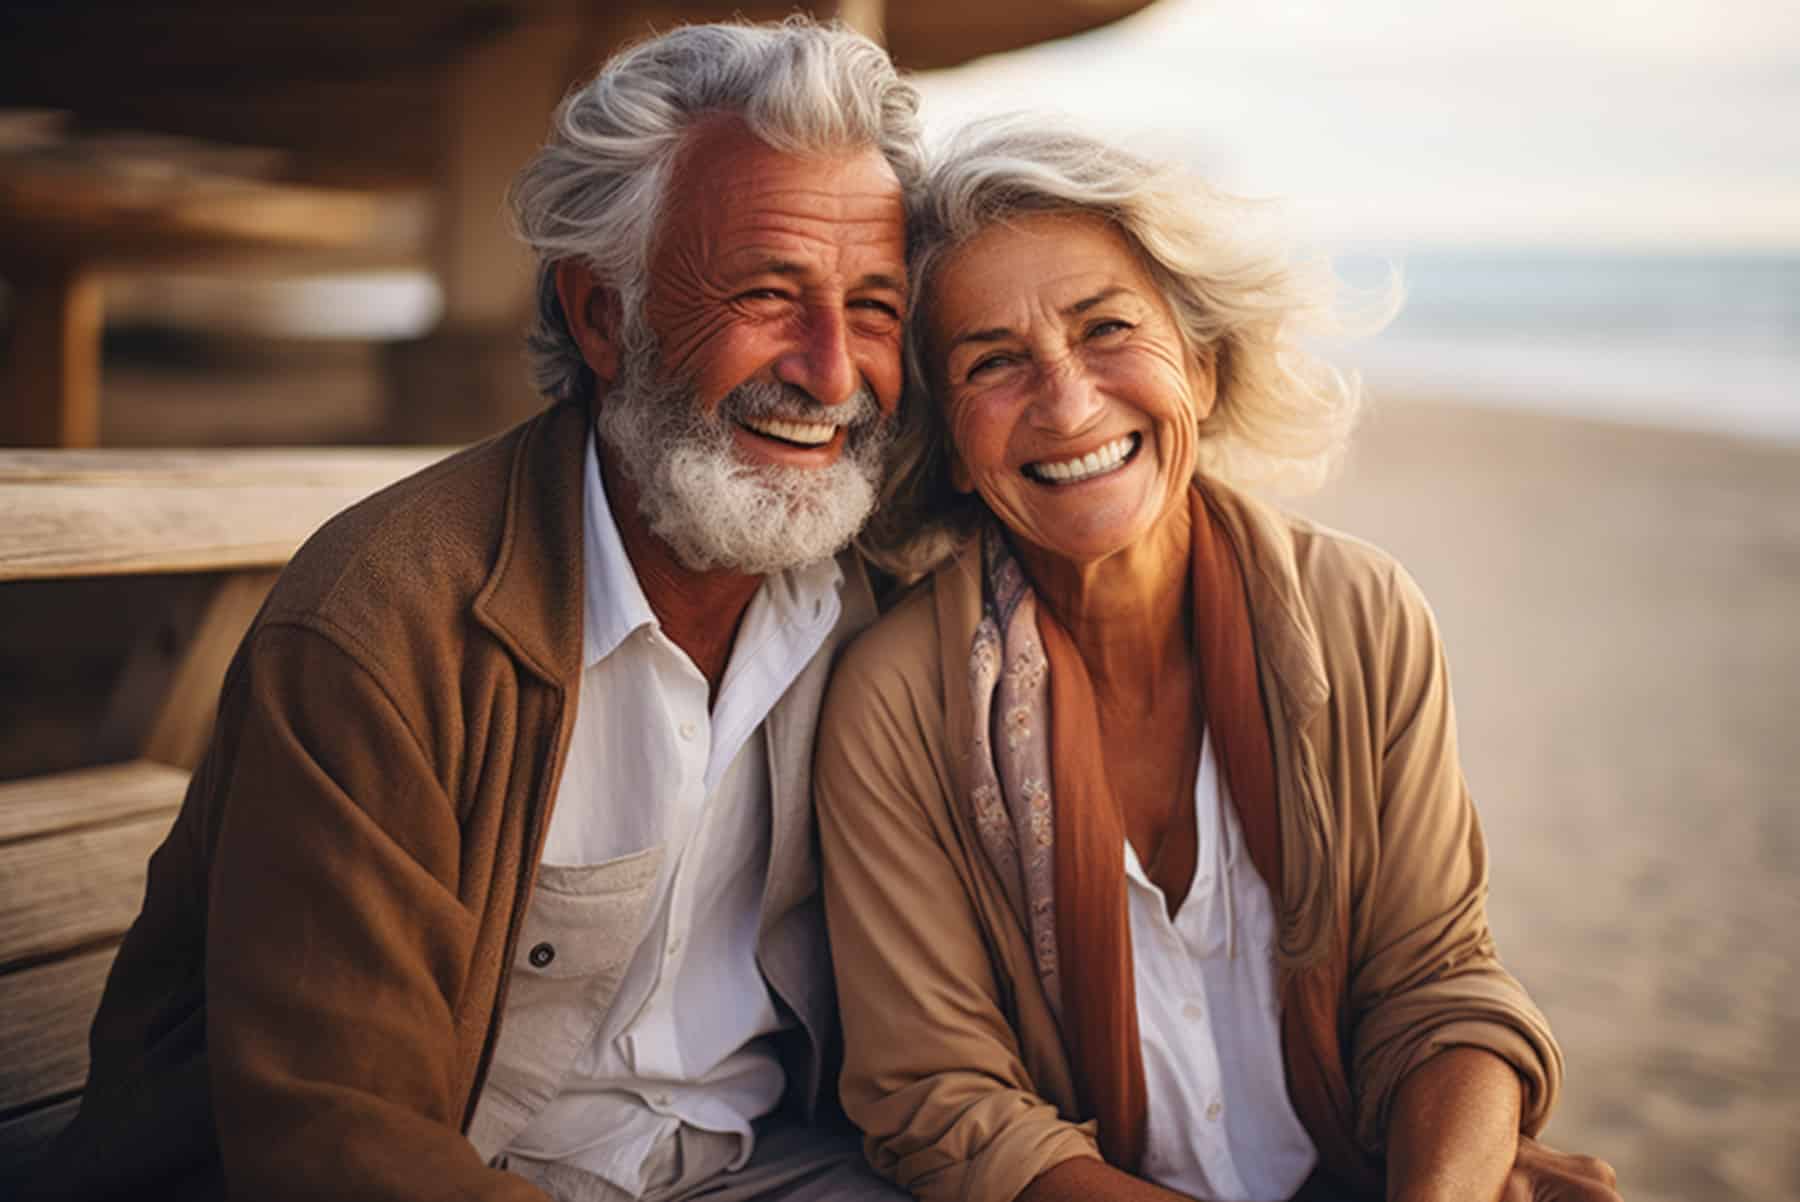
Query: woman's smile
[[1079, 469]]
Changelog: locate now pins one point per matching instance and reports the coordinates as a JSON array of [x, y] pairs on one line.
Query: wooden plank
[[151, 660], [97, 513], [26, 1138], [43, 1044], [179, 734], [88, 213], [70, 890], [48, 805], [50, 375]]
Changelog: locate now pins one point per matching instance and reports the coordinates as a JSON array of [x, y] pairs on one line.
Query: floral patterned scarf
[[1052, 830]]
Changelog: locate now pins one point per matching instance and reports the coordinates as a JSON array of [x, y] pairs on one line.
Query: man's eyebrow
[[880, 279], [792, 270]]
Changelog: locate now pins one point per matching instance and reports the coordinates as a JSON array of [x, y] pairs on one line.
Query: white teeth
[[810, 434], [1084, 467]]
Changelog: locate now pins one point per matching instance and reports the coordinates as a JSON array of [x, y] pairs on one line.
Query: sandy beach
[[1622, 612]]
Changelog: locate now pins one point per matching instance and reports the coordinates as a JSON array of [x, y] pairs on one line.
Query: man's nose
[[820, 363]]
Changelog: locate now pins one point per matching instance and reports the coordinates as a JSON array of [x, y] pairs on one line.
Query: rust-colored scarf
[[1052, 829]]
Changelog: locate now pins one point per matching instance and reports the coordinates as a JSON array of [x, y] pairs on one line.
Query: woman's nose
[[1066, 401]]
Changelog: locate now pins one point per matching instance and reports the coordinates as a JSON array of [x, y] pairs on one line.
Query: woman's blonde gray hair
[[596, 189], [1281, 415]]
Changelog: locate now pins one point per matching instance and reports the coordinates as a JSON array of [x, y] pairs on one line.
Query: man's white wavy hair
[[1282, 416], [597, 188]]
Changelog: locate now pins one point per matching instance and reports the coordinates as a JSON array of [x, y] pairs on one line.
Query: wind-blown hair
[[596, 190], [1281, 415]]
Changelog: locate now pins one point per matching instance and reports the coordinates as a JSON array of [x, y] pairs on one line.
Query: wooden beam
[[100, 214], [43, 806], [184, 721], [75, 890], [99, 513], [43, 1043], [50, 381]]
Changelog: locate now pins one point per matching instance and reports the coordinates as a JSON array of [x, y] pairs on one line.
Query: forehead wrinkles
[[817, 219]]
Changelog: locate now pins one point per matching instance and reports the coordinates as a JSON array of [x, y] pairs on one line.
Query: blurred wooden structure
[[363, 107], [287, 136], [74, 842]]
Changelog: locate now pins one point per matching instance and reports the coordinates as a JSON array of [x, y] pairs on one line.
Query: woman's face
[[1071, 401]]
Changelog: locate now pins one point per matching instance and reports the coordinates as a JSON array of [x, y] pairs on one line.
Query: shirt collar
[[803, 598]]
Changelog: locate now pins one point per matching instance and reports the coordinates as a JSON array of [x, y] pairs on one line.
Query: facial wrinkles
[[1043, 295], [718, 242]]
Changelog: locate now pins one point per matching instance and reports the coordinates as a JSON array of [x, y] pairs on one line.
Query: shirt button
[[541, 955], [1194, 1011], [688, 729], [675, 945], [1214, 1110], [661, 1099]]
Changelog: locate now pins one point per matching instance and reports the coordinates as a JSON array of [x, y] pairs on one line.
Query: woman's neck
[[1128, 613]]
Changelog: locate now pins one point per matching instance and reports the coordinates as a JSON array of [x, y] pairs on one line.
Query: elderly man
[[497, 880]]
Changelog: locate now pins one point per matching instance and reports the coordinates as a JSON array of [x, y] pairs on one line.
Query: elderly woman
[[1149, 866]]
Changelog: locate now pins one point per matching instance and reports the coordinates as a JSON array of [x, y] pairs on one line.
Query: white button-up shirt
[[685, 1040], [1220, 1125]]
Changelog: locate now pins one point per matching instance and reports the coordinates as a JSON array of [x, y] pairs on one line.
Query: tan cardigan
[[955, 1068], [309, 1002]]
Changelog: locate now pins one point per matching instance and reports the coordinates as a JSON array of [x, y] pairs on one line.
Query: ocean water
[[1692, 341]]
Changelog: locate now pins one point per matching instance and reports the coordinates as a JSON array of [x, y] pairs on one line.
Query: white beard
[[716, 511]]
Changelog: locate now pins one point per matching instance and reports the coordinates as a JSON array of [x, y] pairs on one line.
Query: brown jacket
[[955, 1067], [308, 1004]]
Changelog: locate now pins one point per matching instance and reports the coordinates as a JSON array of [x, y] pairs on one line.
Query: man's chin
[[770, 519]]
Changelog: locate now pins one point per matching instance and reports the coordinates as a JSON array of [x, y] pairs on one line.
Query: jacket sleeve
[[336, 943], [933, 1072], [1424, 973]]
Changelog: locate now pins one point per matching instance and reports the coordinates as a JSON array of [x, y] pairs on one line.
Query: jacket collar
[[532, 600]]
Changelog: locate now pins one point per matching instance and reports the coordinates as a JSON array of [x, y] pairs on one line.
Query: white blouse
[[1220, 1123]]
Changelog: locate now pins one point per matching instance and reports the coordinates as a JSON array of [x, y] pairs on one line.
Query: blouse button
[[1214, 1110], [541, 955]]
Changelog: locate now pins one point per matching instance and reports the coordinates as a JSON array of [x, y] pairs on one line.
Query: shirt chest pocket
[[581, 928], [580, 931]]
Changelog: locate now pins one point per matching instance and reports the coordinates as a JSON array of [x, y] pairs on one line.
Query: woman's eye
[[1105, 326], [987, 363], [762, 294]]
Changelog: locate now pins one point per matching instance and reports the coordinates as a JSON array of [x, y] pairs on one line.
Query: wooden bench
[[74, 843]]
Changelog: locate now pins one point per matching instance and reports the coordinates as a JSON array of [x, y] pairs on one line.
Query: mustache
[[773, 399]]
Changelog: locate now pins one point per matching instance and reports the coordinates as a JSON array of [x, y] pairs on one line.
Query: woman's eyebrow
[[991, 334], [1088, 302]]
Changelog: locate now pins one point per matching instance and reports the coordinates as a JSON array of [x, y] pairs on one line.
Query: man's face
[[771, 267], [757, 430]]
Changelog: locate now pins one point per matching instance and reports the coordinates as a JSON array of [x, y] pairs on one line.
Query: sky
[[1666, 125]]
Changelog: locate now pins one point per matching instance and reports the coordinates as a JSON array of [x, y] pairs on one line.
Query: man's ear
[[594, 316]]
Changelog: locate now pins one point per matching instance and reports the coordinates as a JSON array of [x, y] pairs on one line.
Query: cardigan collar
[[1282, 624]]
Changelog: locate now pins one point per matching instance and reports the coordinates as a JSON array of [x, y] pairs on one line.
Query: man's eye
[[762, 294], [871, 305]]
